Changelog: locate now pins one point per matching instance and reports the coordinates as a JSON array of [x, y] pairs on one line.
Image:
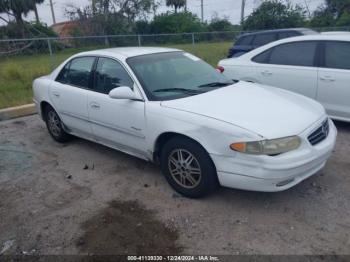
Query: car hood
[[267, 111]]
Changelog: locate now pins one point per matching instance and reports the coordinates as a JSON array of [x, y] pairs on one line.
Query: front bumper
[[276, 173]]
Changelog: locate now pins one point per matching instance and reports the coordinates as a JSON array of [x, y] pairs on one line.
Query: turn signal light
[[240, 147]]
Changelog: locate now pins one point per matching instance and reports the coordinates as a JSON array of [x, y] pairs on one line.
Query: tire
[[55, 126], [188, 168]]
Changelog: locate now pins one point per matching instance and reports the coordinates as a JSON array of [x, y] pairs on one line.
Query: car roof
[[331, 37], [280, 31], [317, 37], [335, 32], [127, 52]]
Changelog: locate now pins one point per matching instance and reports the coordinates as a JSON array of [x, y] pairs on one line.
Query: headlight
[[268, 147]]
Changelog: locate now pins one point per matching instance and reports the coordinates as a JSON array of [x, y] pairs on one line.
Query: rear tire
[[55, 125], [188, 168]]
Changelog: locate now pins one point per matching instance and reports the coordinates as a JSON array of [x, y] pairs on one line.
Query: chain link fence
[[23, 60]]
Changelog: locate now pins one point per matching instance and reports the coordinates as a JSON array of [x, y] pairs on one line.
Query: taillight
[[220, 69]]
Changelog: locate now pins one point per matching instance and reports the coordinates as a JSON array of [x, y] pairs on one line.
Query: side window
[[262, 58], [245, 40], [264, 39], [63, 75], [79, 71], [283, 35], [296, 54], [337, 55], [109, 75]]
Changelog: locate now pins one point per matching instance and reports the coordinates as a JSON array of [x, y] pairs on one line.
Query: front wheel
[[188, 168], [55, 126]]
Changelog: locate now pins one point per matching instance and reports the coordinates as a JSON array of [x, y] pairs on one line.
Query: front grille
[[319, 134]]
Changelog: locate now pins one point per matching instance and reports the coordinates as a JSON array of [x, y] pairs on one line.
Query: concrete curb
[[18, 111]]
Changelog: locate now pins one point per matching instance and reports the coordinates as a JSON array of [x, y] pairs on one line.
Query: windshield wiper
[[184, 90], [216, 84]]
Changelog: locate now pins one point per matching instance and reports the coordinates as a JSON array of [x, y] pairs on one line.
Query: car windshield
[[166, 76]]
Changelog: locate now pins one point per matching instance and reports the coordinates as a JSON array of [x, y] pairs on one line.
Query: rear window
[[337, 55]]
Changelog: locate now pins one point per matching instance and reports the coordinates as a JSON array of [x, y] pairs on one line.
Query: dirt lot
[[84, 198]]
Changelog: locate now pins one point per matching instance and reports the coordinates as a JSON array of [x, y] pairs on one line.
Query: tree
[[35, 2], [272, 14], [176, 4], [184, 22], [344, 19], [322, 17], [110, 16], [332, 13], [18, 8], [221, 24], [338, 7]]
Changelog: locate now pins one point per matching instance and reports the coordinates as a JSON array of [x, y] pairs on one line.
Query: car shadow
[[341, 125]]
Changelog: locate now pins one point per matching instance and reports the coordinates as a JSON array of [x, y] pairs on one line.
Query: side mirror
[[123, 92]]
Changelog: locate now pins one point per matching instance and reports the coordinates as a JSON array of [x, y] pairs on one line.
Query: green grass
[[17, 73]]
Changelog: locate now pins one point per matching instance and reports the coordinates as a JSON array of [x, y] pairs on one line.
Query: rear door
[[334, 79], [289, 66], [69, 94]]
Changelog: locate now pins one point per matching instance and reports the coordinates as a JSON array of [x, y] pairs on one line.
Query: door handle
[[56, 94], [327, 78], [266, 73], [94, 105]]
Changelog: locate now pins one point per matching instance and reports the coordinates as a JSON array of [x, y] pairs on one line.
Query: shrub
[[12, 71], [183, 22]]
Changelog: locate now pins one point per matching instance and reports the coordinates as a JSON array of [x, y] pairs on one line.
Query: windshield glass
[[166, 76]]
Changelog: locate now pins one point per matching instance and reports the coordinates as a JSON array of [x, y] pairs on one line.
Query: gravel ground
[[84, 198]]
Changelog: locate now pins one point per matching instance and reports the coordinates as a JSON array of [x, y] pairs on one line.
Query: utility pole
[[53, 13], [202, 11], [242, 11]]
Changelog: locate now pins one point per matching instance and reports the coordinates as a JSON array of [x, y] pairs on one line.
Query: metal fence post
[[193, 43], [50, 51], [139, 39]]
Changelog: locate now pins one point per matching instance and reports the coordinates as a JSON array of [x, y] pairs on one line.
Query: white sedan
[[168, 106], [317, 66]]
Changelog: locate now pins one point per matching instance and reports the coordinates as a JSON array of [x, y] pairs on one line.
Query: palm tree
[[18, 8], [176, 4], [35, 2]]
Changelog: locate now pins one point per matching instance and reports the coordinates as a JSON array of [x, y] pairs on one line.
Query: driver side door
[[119, 123]]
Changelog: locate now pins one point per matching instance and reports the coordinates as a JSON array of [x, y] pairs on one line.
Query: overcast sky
[[228, 8]]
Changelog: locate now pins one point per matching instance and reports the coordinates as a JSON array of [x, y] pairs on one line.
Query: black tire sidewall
[[209, 176], [63, 136]]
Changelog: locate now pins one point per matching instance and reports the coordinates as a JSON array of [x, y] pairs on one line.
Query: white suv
[[317, 66]]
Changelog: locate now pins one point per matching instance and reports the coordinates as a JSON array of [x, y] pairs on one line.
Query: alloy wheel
[[54, 123], [184, 168]]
